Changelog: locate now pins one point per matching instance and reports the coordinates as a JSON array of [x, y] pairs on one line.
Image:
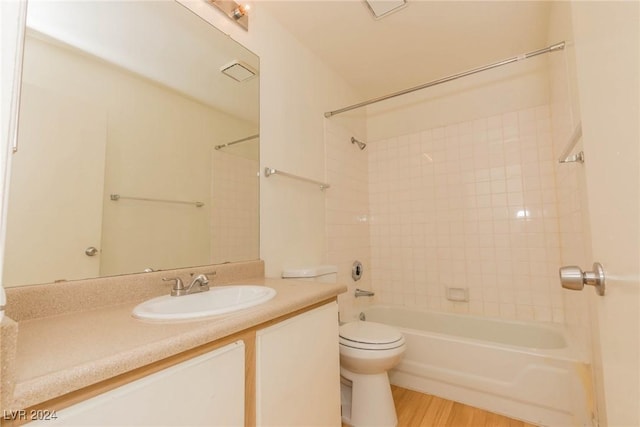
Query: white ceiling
[[424, 41]]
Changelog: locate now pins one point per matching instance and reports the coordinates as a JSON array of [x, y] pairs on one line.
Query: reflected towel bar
[[270, 171], [575, 137], [116, 197], [237, 141]]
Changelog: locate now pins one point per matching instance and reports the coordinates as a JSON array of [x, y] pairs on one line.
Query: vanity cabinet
[[298, 370], [207, 390], [282, 372]]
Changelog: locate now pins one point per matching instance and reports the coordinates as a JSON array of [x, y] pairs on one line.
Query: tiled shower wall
[[470, 206]]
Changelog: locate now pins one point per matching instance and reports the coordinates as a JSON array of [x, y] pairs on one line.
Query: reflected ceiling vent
[[382, 8], [239, 71]]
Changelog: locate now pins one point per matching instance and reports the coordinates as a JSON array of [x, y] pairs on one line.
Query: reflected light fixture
[[382, 8], [240, 11], [236, 12]]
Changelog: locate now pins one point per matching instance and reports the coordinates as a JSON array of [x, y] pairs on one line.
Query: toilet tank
[[321, 273]]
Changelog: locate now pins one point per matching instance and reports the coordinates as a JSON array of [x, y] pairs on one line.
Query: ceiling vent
[[382, 8], [239, 71]]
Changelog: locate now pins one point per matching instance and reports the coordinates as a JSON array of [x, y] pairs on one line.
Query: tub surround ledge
[[67, 349]]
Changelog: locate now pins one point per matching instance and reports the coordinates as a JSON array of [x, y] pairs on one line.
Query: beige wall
[[573, 215], [607, 48], [296, 88]]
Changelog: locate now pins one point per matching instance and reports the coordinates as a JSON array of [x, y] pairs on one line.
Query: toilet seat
[[370, 336]]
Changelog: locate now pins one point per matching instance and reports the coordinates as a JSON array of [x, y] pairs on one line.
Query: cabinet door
[[298, 371], [207, 390]]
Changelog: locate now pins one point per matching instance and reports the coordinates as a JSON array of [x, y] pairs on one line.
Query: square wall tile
[[476, 200]]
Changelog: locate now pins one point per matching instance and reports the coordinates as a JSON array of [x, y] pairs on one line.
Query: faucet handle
[[211, 273], [202, 279], [178, 283]]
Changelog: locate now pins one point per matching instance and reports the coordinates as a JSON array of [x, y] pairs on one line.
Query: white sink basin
[[218, 300]]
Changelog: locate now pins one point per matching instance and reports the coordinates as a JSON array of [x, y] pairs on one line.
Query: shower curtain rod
[[552, 48], [237, 141]]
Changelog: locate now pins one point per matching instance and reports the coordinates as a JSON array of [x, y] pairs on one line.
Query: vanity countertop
[[63, 353]]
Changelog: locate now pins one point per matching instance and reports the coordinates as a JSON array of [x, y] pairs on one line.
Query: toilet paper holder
[[572, 277]]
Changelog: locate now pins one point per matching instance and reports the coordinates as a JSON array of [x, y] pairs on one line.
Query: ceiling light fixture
[[382, 8]]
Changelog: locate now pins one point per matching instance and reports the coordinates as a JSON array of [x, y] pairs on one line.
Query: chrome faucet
[[179, 289]]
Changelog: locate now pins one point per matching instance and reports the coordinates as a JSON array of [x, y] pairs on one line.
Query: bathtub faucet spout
[[363, 293]]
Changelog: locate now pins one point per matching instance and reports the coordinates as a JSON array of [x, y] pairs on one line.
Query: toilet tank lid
[[316, 271]]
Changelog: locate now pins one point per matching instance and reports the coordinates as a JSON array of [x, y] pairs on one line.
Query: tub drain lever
[[572, 277]]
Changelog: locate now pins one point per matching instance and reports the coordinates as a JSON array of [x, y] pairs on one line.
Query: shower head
[[360, 144]]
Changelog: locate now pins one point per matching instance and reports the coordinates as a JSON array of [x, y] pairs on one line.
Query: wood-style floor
[[423, 410]]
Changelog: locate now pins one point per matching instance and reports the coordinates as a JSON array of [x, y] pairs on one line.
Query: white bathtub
[[524, 370]]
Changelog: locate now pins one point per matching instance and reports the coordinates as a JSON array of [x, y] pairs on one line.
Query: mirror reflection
[[124, 162]]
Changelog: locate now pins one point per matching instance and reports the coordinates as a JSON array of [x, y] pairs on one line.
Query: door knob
[[91, 251], [572, 277]]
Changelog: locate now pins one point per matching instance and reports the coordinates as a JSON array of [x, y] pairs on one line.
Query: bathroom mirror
[[118, 169]]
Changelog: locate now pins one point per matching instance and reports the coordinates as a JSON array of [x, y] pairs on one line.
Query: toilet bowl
[[367, 351]]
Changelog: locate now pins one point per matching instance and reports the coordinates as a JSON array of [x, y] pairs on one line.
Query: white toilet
[[367, 351]]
